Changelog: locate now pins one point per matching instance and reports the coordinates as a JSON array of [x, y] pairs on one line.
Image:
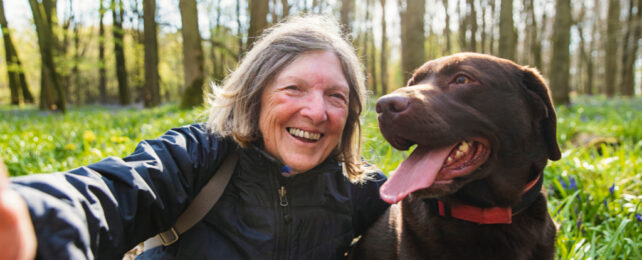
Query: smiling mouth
[[303, 135]]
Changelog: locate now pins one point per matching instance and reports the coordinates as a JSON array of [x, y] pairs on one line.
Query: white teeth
[[304, 134], [464, 147]]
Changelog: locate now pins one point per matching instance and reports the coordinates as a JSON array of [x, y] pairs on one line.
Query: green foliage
[[593, 191], [33, 141]]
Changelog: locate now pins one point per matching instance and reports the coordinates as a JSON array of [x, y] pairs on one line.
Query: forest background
[[81, 80]]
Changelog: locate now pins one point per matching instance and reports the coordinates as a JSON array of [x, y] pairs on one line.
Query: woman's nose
[[314, 107]]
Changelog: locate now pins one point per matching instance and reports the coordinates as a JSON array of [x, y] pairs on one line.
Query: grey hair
[[235, 106]]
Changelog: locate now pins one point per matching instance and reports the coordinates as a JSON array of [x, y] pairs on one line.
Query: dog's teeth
[[459, 154], [464, 146], [450, 159]]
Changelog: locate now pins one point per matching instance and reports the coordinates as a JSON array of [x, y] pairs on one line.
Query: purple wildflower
[[579, 222], [612, 188], [638, 217], [562, 182], [572, 183], [606, 204]]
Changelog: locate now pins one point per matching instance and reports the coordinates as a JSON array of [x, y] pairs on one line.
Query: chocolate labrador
[[484, 129]]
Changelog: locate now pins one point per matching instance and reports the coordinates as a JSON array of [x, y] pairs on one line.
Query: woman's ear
[[540, 96]]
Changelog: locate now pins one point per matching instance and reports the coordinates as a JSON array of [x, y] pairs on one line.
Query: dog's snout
[[392, 104]]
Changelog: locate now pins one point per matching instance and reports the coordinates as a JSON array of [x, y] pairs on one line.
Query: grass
[[593, 191]]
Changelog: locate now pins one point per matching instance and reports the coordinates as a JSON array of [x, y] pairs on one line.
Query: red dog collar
[[495, 215]]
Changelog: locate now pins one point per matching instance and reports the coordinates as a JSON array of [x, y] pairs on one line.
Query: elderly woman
[[298, 191]]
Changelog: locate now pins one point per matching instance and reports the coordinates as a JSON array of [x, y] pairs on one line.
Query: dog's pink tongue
[[417, 172]]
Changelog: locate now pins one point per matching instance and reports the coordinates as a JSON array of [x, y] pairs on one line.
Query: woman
[[299, 190]]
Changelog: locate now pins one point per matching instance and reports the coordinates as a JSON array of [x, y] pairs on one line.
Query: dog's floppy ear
[[540, 95]]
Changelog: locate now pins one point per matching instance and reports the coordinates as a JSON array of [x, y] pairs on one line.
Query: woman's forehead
[[315, 67]]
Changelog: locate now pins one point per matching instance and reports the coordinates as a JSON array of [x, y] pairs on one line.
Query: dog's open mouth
[[426, 166]]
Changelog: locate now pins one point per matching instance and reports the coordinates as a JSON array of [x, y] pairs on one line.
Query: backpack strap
[[200, 206]]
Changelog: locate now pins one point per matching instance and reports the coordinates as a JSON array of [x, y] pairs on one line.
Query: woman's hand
[[17, 238]]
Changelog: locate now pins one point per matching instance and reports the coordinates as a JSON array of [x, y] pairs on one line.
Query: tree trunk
[[75, 70], [482, 40], [373, 50], [193, 60], [507, 33], [630, 49], [472, 22], [590, 63], [119, 52], [258, 19], [51, 99], [384, 51], [286, 8], [559, 78], [448, 46], [412, 35], [273, 12], [365, 46], [583, 55], [17, 82], [347, 15], [536, 43], [217, 67], [463, 27], [611, 46], [102, 72], [63, 49], [152, 89], [491, 39], [238, 29]]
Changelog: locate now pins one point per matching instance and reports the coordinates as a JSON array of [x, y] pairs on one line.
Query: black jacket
[[102, 210]]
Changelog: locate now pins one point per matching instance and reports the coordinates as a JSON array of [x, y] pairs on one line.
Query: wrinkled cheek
[[266, 128], [339, 121]]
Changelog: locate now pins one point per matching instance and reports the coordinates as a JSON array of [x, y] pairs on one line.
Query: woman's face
[[304, 110]]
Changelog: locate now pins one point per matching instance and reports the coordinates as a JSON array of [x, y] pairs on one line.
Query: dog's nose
[[392, 104]]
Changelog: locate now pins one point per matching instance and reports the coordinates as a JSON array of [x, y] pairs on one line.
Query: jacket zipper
[[283, 200], [284, 216]]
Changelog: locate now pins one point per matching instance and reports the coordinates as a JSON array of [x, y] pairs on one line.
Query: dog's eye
[[462, 79]]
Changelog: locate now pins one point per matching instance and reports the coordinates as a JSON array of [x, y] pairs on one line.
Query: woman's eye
[[340, 97], [461, 79]]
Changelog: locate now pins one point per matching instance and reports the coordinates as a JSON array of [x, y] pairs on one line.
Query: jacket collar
[[260, 161], [494, 215]]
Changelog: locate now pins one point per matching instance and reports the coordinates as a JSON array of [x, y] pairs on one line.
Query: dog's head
[[483, 126]]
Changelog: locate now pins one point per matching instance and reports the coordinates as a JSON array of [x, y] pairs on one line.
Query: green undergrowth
[[594, 191]]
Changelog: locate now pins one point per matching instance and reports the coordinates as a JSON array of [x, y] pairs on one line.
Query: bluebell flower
[[579, 222], [606, 204], [572, 184], [638, 217], [612, 188], [562, 182]]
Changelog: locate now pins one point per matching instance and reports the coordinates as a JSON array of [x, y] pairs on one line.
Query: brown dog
[[484, 129]]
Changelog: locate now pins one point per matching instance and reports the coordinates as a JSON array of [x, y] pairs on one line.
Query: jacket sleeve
[[368, 205], [104, 209]]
